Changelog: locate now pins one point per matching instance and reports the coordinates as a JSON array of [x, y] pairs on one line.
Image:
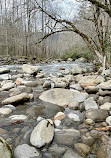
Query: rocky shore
[[67, 115]]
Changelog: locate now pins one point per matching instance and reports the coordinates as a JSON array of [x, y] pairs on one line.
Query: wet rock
[[26, 151], [5, 111], [71, 154], [69, 123], [106, 106], [4, 70], [42, 134], [47, 110], [29, 69], [104, 151], [90, 104], [108, 120], [62, 97], [97, 115], [56, 151], [88, 140], [17, 98], [67, 137], [5, 150], [83, 149]]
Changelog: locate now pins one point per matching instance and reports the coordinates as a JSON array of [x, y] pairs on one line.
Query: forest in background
[[64, 28]]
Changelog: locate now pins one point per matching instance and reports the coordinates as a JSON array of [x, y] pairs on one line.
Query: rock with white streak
[[42, 134], [18, 117]]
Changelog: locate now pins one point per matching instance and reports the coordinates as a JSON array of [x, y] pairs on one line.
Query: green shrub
[[78, 52]]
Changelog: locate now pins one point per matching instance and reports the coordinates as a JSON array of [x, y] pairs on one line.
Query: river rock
[[67, 136], [105, 85], [88, 140], [26, 151], [83, 149], [59, 116], [108, 120], [42, 134], [47, 84], [29, 69], [5, 111], [18, 117], [7, 86], [75, 117], [5, 150], [17, 98], [71, 154], [91, 89], [47, 110], [4, 70], [106, 106], [74, 105], [88, 81], [90, 104], [31, 83], [76, 86], [78, 70], [56, 151], [104, 151], [62, 97], [97, 115], [60, 84]]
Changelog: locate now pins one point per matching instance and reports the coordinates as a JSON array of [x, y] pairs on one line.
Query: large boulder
[[25, 151], [16, 99], [97, 115], [42, 134], [29, 69], [5, 150], [63, 97]]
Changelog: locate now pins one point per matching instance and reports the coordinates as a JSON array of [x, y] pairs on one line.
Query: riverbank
[[61, 114]]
